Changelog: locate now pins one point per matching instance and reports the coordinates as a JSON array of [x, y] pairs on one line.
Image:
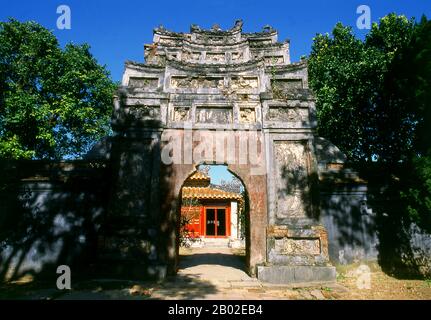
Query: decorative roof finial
[[238, 25], [216, 27], [194, 27], [267, 28]]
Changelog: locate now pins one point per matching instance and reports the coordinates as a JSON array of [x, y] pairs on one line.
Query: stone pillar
[[234, 220], [234, 241], [133, 242], [297, 245]]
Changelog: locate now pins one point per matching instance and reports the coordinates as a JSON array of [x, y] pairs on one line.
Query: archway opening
[[213, 220]]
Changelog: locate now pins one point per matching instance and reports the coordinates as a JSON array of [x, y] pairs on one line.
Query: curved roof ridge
[[199, 175]]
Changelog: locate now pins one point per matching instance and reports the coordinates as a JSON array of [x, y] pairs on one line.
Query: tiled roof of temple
[[209, 193], [199, 175], [198, 186]]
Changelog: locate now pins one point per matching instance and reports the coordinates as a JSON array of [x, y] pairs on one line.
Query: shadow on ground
[[180, 287], [184, 287], [222, 259]]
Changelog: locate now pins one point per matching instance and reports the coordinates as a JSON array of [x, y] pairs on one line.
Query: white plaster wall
[[234, 219]]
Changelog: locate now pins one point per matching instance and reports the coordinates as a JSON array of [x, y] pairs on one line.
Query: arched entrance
[[250, 109], [213, 212]]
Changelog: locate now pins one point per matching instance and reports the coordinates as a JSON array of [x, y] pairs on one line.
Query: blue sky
[[117, 30], [218, 173]]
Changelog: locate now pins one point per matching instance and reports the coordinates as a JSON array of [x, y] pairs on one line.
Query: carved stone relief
[[290, 246], [244, 83], [216, 57], [291, 178], [140, 82], [181, 114], [287, 84], [191, 56], [169, 41], [143, 112], [237, 56], [247, 115], [196, 83], [259, 43], [287, 114], [214, 39], [221, 115], [272, 60]]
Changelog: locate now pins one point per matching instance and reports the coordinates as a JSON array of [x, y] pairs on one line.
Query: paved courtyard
[[218, 274]]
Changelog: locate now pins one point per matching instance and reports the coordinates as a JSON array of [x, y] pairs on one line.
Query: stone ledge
[[295, 274]]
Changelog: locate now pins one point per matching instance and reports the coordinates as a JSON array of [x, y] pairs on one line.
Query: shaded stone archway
[[255, 240], [219, 97]]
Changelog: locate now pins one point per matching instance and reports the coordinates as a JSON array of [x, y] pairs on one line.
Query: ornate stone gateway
[[217, 97]]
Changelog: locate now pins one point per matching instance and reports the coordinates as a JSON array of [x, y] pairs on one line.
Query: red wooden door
[[216, 222]]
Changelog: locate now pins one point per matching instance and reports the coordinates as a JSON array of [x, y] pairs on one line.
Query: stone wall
[[365, 222], [51, 213], [56, 213]]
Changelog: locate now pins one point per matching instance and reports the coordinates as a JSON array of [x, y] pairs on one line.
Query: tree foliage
[[374, 99], [54, 102]]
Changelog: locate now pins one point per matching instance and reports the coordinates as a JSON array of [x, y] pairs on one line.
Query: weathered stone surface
[[297, 246], [137, 82], [194, 85], [247, 115], [214, 115], [287, 114], [290, 175], [295, 274]]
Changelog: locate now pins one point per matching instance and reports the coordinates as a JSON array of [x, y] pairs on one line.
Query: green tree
[[338, 75], [359, 107], [374, 101], [54, 102], [373, 95]]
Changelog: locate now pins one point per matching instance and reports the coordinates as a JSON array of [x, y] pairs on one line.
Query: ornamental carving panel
[[287, 114], [291, 178], [196, 82], [290, 205], [139, 82], [191, 56], [286, 84], [247, 115], [143, 112], [271, 60], [290, 246], [169, 41], [220, 115], [216, 57], [237, 56], [181, 114], [244, 83], [260, 43], [214, 40]]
